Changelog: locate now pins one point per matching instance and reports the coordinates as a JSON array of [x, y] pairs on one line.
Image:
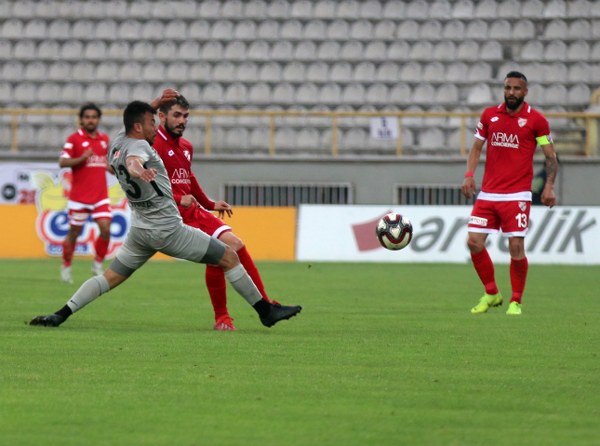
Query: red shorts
[[512, 217], [206, 221], [79, 212]]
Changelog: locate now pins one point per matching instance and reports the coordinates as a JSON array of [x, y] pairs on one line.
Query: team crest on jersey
[[522, 205], [85, 144], [494, 119], [479, 125], [171, 153], [522, 122]]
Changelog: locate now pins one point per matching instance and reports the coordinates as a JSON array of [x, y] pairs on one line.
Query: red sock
[[485, 270], [518, 277], [101, 247], [217, 289], [252, 270], [67, 253]]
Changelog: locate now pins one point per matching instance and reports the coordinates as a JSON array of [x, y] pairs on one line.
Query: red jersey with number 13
[[89, 178], [511, 144]]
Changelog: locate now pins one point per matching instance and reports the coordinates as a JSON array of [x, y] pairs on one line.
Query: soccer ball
[[394, 231]]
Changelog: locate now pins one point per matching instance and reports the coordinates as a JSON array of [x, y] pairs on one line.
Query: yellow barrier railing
[[581, 123]]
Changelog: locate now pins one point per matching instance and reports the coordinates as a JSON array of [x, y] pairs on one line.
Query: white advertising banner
[[561, 235]]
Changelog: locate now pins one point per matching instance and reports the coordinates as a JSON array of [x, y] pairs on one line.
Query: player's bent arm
[[71, 162], [551, 163], [469, 186], [135, 167]]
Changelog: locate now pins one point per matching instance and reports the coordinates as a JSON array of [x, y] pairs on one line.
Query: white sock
[[243, 284], [90, 290]]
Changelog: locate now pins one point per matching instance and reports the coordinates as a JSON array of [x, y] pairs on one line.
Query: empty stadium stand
[[285, 54]]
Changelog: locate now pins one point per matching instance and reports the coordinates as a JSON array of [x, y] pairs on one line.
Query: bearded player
[[513, 130], [85, 152], [195, 206]]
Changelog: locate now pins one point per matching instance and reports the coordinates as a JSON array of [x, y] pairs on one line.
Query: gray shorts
[[182, 242]]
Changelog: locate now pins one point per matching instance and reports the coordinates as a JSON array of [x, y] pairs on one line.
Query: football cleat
[[224, 323], [65, 274], [278, 312], [51, 320], [97, 268], [514, 309], [487, 301]]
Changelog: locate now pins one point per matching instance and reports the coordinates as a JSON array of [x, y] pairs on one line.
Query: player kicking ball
[[156, 225]]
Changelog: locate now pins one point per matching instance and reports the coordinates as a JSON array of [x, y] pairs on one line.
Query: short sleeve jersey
[[151, 203], [89, 178], [511, 144], [177, 154]]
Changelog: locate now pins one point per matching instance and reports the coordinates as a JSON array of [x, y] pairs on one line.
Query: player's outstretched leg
[[50, 320], [487, 301], [271, 313]]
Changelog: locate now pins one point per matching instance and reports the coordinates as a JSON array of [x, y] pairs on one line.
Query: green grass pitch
[[382, 354]]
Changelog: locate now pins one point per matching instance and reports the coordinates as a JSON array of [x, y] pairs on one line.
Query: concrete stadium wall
[[374, 180]]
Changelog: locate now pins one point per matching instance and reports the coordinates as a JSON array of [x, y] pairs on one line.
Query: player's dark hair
[[135, 112], [89, 106], [516, 74], [179, 100]]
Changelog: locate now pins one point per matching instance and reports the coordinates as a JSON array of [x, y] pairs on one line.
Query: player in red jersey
[[195, 206], [512, 130], [85, 153]]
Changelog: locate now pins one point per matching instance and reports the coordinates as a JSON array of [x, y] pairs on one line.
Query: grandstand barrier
[[32, 132]]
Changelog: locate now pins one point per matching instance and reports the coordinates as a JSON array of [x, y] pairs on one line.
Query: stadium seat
[[384, 30], [236, 93], [23, 92], [284, 93], [232, 9], [235, 50], [106, 29], [579, 94], [129, 29], [338, 30], [509, 9], [354, 139], [398, 50], [375, 50], [394, 10], [95, 50], [348, 9], [446, 94], [386, 72], [595, 52], [555, 72], [258, 50], [491, 50], [579, 29], [35, 29], [118, 50], [480, 94], [523, 30], [532, 50], [293, 72], [119, 93], [47, 92], [340, 72], [555, 50], [247, 72], [330, 93], [352, 50], [363, 72], [431, 30], [578, 51], [555, 94], [83, 71], [25, 50], [486, 9], [532, 9], [307, 93], [60, 71], [417, 9], [209, 9], [556, 29], [423, 94], [500, 30], [106, 70], [580, 72], [466, 50], [153, 71], [361, 30], [291, 30], [176, 29], [301, 9], [433, 71], [421, 50], [400, 93], [444, 50], [317, 72], [457, 72], [268, 30], [12, 29], [328, 50], [476, 29], [479, 72], [71, 92], [245, 30], [212, 50], [188, 50], [432, 139], [192, 92], [237, 138], [282, 50], [408, 30], [71, 50], [166, 51], [410, 72], [353, 93], [270, 72], [6, 48], [440, 9], [221, 30], [315, 30], [152, 29], [213, 93], [579, 8], [278, 9], [308, 139], [260, 93], [463, 9], [198, 29], [377, 94], [224, 71], [12, 72], [555, 8]]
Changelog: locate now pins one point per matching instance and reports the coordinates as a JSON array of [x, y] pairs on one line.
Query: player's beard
[[515, 102], [175, 132]]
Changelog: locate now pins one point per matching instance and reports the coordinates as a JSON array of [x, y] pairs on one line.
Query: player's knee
[[232, 240], [474, 245], [229, 259]]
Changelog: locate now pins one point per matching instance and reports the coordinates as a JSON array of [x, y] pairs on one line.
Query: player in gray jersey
[[156, 225]]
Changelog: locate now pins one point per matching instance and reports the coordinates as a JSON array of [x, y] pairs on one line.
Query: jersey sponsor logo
[[187, 155], [522, 122], [180, 176], [501, 139], [479, 221], [494, 119]]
